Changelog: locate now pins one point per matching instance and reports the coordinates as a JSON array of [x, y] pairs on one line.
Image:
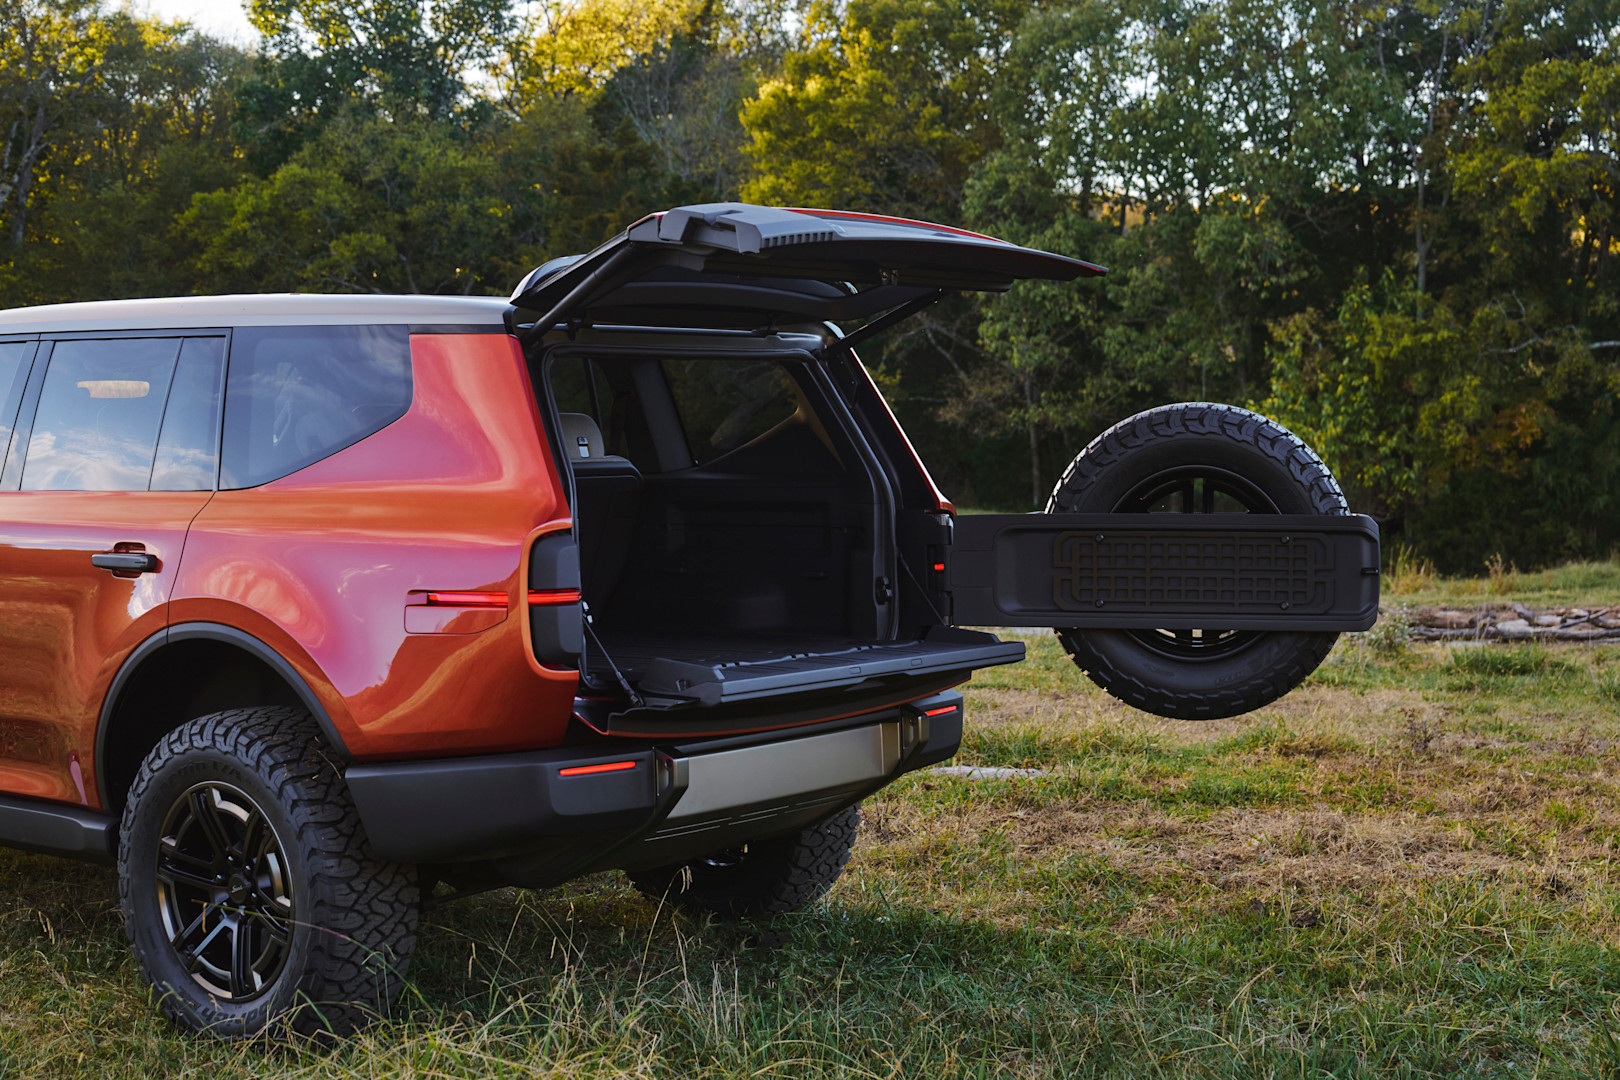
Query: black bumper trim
[[500, 805]]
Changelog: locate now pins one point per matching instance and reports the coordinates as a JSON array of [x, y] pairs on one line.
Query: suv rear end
[[754, 650], [315, 606]]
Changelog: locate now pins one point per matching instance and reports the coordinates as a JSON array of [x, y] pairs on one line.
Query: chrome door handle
[[128, 562]]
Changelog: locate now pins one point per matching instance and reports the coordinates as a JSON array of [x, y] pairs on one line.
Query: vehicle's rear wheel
[[1197, 457], [248, 891], [765, 877]]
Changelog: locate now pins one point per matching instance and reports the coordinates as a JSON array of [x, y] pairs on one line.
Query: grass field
[[1405, 868]]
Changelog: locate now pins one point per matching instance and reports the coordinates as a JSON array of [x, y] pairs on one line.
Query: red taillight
[[554, 596], [855, 215], [939, 568], [467, 599], [941, 711], [586, 770]]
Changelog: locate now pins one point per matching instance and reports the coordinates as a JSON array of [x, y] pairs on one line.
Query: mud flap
[[1165, 571]]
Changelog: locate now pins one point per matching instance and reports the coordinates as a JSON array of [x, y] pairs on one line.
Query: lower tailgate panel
[[714, 688]]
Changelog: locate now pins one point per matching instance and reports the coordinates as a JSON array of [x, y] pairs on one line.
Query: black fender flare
[[210, 632]]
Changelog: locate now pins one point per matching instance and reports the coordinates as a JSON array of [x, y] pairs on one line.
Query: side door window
[[100, 408], [14, 367]]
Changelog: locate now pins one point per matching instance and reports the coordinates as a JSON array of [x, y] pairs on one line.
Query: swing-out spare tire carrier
[[1172, 571]]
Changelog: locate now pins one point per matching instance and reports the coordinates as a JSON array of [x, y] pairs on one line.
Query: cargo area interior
[[730, 519]]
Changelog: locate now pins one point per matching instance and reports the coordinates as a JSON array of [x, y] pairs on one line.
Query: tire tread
[[365, 909]]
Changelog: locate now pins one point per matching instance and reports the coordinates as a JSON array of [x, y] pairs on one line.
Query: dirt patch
[[1317, 857]]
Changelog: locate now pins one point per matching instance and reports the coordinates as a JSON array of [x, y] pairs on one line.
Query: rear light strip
[[554, 596], [467, 599], [941, 711], [855, 215], [499, 599], [587, 770]]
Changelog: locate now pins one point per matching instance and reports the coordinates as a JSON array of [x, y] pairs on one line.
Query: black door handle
[[129, 562]]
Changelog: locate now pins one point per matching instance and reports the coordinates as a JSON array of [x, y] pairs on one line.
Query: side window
[[725, 404], [577, 387], [96, 426], [294, 395], [13, 374], [615, 405], [188, 447]]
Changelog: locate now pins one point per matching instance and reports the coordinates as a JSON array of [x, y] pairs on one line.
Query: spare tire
[[1197, 457]]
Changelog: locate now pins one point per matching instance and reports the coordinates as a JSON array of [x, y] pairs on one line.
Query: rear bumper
[[571, 811]]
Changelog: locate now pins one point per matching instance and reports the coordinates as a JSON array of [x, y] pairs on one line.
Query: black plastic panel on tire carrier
[[1165, 571]]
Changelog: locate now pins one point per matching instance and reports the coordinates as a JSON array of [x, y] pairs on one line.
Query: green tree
[[50, 56], [369, 205], [146, 123], [404, 55], [880, 106]]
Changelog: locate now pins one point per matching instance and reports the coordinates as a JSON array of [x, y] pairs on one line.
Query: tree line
[[1390, 225]]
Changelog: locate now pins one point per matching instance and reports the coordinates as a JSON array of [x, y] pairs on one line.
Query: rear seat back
[[608, 495]]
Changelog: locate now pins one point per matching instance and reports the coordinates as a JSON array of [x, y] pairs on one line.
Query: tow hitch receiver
[[1165, 571]]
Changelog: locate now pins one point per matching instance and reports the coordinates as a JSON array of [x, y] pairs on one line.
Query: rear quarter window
[[295, 395], [187, 450]]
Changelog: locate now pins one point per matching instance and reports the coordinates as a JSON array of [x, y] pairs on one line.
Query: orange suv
[[311, 605]]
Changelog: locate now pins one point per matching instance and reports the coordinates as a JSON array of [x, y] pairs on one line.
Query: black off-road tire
[[1128, 458], [768, 877], [353, 918]]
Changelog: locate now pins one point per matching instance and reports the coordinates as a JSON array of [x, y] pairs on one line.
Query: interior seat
[[608, 496]]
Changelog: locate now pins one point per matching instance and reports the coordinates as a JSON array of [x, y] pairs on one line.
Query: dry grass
[[1413, 581], [1407, 573]]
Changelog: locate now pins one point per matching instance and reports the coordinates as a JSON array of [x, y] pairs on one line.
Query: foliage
[[369, 204], [874, 107], [407, 55], [1393, 227], [1391, 634], [577, 47]]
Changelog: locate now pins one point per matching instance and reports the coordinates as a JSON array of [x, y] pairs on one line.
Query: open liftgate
[[1165, 571]]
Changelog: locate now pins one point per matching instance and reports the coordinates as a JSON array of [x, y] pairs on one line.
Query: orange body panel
[[66, 626], [323, 564]]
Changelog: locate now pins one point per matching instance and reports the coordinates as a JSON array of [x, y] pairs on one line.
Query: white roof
[[257, 309]]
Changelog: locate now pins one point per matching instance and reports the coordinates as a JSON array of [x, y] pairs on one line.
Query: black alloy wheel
[[1195, 489], [223, 891]]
